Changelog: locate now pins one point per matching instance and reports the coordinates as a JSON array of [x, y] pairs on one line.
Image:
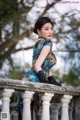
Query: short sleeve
[[48, 42]]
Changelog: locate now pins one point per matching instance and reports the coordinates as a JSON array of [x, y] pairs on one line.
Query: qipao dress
[[48, 63]]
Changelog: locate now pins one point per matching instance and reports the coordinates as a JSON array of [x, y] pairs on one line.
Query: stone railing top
[[37, 87]]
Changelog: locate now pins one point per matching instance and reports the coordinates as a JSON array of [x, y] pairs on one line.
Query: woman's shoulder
[[41, 43], [47, 42]]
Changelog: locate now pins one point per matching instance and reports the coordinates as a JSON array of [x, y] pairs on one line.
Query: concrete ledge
[[38, 87]]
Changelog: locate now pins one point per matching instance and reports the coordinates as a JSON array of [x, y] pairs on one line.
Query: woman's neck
[[41, 38]]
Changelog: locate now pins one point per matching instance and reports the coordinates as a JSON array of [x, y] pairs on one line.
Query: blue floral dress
[[48, 63]]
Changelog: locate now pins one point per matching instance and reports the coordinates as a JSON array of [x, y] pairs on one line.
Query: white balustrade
[[14, 115], [65, 100], [55, 111], [34, 114], [27, 97], [6, 100], [71, 110], [66, 110], [46, 98]]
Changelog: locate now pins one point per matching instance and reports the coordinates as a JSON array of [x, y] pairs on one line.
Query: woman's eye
[[46, 29]]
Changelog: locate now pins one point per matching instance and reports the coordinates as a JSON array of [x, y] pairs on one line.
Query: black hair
[[40, 22]]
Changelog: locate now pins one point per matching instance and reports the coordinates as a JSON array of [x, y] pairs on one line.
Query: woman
[[43, 57]]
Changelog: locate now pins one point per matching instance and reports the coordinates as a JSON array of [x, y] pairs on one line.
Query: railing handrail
[[20, 85]]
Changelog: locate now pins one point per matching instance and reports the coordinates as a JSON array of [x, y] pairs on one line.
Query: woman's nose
[[50, 31]]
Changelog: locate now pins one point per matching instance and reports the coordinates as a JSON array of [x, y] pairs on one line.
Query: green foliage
[[14, 97], [8, 9], [69, 37], [16, 73], [71, 78]]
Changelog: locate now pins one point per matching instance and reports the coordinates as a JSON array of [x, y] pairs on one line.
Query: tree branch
[[58, 50], [13, 40], [48, 7]]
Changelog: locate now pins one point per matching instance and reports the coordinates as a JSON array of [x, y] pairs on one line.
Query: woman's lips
[[49, 35]]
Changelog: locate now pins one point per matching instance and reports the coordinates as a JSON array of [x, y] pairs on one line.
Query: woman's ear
[[38, 31]]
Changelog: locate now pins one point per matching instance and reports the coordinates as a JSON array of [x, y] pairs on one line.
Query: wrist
[[37, 69], [42, 76]]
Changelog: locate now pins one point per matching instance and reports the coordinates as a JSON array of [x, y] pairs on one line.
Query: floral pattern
[[48, 63]]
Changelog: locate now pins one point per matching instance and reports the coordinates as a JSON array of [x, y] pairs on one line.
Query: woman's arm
[[45, 51]]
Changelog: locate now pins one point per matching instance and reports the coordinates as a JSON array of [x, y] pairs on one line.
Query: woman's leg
[[50, 73], [25, 78]]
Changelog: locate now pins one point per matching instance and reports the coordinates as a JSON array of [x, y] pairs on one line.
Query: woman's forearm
[[45, 51], [37, 67]]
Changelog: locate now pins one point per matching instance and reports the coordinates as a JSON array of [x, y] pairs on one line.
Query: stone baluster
[[65, 100], [71, 110], [27, 96], [6, 100], [14, 115], [55, 110], [46, 98]]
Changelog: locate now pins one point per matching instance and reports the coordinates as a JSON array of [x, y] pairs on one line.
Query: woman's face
[[46, 31]]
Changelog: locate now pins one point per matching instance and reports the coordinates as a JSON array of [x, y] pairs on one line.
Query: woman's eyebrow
[[48, 27]]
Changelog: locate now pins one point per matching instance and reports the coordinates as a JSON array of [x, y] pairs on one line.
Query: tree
[[14, 24], [68, 36]]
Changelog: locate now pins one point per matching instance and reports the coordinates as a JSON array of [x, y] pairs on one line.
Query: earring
[[39, 35]]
